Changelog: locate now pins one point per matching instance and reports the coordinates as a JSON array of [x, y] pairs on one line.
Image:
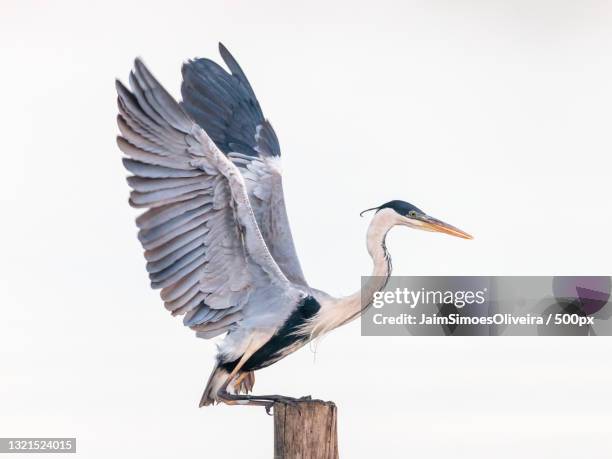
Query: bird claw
[[293, 402]]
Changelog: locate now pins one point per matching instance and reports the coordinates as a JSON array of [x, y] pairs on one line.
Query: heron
[[215, 230]]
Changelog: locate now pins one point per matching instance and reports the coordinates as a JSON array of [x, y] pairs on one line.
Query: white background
[[491, 115]]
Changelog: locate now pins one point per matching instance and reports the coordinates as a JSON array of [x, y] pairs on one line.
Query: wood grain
[[306, 430]]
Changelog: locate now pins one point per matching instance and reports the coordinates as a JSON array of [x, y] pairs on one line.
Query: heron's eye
[[412, 213]]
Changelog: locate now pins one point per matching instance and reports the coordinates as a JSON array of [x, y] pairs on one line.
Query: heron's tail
[[216, 380]]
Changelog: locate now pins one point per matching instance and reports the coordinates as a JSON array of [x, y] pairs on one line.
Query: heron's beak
[[433, 224]]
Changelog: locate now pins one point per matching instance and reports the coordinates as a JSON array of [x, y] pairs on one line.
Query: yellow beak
[[439, 226]]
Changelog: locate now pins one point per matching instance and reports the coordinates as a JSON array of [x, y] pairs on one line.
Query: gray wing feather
[[226, 107], [202, 243]]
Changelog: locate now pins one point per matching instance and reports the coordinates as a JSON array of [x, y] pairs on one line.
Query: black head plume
[[367, 210], [401, 207]]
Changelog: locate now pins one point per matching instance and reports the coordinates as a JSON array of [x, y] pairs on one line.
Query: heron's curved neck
[[343, 310], [375, 240], [380, 225]]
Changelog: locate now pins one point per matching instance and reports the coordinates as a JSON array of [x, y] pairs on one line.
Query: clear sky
[[491, 115]]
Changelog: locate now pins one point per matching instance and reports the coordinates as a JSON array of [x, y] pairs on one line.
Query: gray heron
[[215, 231]]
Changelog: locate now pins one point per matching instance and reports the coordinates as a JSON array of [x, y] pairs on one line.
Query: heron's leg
[[246, 356], [234, 399], [238, 382], [245, 400], [266, 401], [244, 382], [254, 400], [264, 398], [260, 400]]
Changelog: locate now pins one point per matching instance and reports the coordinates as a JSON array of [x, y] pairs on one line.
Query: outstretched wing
[[202, 243], [225, 106]]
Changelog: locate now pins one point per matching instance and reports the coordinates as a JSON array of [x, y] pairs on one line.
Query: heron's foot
[[282, 399], [288, 400]]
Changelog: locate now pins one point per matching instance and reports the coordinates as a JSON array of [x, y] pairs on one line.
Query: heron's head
[[405, 214]]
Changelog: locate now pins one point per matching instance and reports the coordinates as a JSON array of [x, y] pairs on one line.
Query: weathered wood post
[[307, 430]]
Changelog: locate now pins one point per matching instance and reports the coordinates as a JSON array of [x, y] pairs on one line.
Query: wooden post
[[306, 430]]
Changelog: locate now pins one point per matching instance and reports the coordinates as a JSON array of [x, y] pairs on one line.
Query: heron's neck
[[342, 310], [380, 225], [375, 240]]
